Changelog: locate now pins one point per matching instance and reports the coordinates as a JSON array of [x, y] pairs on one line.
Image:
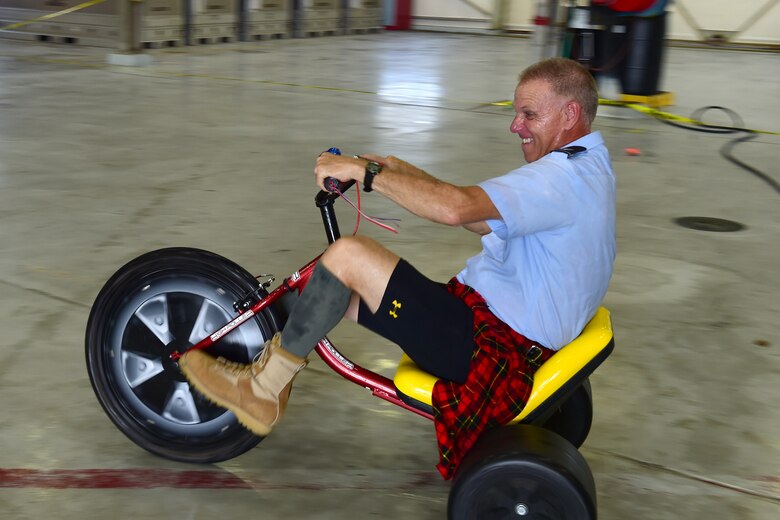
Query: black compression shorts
[[433, 327]]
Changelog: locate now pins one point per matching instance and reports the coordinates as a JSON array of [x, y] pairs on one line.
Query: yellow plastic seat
[[559, 375]]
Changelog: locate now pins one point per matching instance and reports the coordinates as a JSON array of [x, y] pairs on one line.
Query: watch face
[[373, 167]]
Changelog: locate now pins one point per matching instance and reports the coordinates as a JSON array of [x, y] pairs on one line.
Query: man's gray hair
[[569, 79]]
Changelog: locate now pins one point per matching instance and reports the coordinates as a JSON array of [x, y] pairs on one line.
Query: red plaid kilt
[[496, 389]]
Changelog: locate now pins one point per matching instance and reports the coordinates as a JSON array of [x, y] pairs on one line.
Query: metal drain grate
[[709, 224]]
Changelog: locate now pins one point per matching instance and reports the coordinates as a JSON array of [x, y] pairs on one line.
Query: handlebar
[[325, 197], [332, 184], [333, 187]]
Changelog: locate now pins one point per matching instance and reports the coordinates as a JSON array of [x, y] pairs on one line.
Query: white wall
[[743, 21], [469, 14], [754, 21]]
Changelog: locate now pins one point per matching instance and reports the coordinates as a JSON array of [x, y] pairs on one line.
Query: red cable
[[360, 213]]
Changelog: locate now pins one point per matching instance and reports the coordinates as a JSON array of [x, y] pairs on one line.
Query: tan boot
[[256, 393]]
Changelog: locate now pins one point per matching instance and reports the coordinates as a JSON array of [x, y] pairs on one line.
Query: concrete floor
[[213, 147]]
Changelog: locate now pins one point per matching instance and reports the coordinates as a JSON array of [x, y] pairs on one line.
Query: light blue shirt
[[545, 266]]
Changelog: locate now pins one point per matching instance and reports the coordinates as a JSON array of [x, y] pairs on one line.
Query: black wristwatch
[[372, 170]]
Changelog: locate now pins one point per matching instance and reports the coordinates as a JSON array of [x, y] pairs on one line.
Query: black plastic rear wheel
[[161, 302], [573, 419], [522, 471]]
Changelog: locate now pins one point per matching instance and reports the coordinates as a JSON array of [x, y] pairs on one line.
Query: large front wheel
[[161, 302]]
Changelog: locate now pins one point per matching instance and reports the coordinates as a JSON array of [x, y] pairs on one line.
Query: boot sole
[[246, 420]]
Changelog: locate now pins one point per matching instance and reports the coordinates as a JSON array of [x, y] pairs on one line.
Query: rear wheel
[[522, 471], [161, 302], [573, 419]]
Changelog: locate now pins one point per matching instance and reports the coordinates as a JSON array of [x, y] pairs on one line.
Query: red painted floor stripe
[[119, 478], [184, 479]]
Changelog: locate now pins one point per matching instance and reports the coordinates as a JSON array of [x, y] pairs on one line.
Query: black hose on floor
[[726, 150]]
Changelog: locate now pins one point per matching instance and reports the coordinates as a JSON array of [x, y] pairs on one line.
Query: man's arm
[[480, 228], [416, 191]]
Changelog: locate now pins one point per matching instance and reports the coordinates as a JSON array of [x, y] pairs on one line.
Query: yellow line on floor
[[49, 16]]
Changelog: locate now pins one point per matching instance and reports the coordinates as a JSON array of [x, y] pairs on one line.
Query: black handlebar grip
[[332, 185], [336, 186]]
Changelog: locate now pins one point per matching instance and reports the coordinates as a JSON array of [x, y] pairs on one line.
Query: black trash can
[[611, 42], [641, 71]]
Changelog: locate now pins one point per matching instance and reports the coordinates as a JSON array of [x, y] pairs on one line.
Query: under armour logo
[[396, 306]]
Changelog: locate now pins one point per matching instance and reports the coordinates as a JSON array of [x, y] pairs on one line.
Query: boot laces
[[234, 367], [261, 358], [244, 369]]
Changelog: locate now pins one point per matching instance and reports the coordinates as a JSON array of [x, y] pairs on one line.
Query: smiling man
[[548, 238], [552, 108]]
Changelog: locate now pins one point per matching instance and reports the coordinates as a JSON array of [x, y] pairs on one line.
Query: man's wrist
[[372, 169]]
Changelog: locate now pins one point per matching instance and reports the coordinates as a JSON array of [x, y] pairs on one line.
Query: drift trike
[[165, 302]]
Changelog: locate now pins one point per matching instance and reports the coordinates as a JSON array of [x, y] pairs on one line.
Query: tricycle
[[165, 302]]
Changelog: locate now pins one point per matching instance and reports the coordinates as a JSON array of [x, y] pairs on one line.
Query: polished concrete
[[213, 147]]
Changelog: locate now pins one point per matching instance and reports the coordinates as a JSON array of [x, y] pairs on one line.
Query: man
[[549, 243]]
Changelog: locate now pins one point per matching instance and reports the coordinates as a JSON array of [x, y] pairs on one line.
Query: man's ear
[[572, 111]]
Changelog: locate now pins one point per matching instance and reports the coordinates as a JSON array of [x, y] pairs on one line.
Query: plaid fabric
[[496, 389]]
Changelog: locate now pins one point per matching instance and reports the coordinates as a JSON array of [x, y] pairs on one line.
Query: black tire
[[573, 419], [161, 301], [522, 471]]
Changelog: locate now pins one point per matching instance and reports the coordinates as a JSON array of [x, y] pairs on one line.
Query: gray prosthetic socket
[[320, 307]]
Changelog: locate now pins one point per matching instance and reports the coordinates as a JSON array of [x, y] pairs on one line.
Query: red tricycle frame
[[380, 386]]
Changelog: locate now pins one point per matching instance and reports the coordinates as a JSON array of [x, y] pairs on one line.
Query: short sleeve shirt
[[546, 264]]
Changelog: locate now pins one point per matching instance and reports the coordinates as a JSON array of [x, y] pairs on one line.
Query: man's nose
[[517, 124]]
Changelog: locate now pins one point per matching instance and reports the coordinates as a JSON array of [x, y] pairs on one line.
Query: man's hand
[[339, 167]]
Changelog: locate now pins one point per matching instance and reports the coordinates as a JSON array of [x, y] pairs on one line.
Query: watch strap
[[372, 170]]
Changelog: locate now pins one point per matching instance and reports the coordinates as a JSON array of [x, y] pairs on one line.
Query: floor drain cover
[[709, 224]]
